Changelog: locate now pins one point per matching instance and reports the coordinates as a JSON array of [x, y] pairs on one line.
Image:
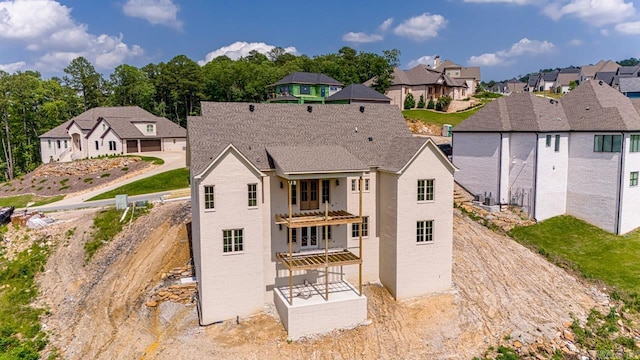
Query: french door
[[309, 238], [309, 195]]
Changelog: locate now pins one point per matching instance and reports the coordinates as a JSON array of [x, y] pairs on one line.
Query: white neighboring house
[[360, 198], [110, 131], [578, 156]]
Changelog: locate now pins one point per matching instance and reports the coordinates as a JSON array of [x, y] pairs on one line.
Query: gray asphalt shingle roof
[[308, 78], [589, 107], [320, 158], [629, 84], [591, 70], [365, 135], [358, 92]]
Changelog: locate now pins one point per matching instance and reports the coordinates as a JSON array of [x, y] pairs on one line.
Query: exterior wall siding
[[230, 284], [630, 210], [552, 176], [592, 182], [142, 127], [53, 153], [388, 205], [477, 157], [424, 267], [522, 169], [174, 144]]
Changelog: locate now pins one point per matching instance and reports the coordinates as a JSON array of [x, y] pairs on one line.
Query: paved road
[[172, 160]]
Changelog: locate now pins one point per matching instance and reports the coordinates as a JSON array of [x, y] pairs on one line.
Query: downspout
[[535, 177], [620, 185], [500, 172]]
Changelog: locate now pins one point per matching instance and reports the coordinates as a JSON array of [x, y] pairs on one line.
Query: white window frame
[[424, 231], [355, 228], [633, 179], [209, 203], [233, 241], [355, 185], [149, 128], [252, 195], [423, 193]]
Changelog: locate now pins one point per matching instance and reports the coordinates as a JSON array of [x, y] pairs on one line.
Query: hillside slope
[[501, 290]]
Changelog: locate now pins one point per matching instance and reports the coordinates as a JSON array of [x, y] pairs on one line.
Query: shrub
[[421, 102], [64, 181], [105, 175], [88, 180], [431, 104], [125, 169], [63, 188], [444, 102], [409, 102]]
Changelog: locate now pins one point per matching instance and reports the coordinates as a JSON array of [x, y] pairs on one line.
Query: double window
[[607, 143], [355, 228], [355, 182], [112, 145], [252, 193], [425, 189], [209, 197], [424, 231], [232, 240]]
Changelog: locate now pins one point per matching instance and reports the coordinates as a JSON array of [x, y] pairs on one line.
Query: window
[[305, 89], [104, 126], [232, 240], [97, 145], [328, 234], [355, 184], [150, 128], [549, 140], [425, 190], [294, 235], [293, 193], [49, 143], [325, 191], [252, 191], [557, 146], [635, 143], [309, 199], [209, 197], [607, 143], [58, 141], [355, 228], [366, 184], [65, 144], [633, 179], [424, 231], [284, 90]]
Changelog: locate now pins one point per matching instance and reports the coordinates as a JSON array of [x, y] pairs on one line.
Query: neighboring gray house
[[357, 94], [110, 131], [299, 205], [630, 87], [578, 156], [470, 75]]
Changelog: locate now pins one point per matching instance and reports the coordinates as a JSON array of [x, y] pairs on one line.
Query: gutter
[[500, 173], [535, 178]]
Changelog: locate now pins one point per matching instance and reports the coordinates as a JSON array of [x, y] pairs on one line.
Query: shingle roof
[[591, 70], [284, 98], [358, 92], [606, 76], [570, 70], [550, 76], [629, 84], [533, 80], [465, 72], [401, 151], [271, 126], [628, 70], [317, 159], [120, 119], [417, 75], [308, 78], [565, 78], [589, 107]]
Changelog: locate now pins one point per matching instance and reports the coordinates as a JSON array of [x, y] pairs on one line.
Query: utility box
[[122, 202], [446, 130]]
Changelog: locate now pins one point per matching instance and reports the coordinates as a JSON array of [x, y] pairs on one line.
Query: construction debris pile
[[83, 167], [178, 286]]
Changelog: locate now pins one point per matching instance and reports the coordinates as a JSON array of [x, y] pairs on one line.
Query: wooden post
[[326, 253], [360, 238], [290, 246]]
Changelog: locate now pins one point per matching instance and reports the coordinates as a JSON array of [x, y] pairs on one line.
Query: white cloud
[[424, 60], [163, 12], [242, 49], [629, 28], [505, 57], [421, 27], [385, 24], [13, 67], [596, 12], [46, 26], [360, 37], [576, 42]]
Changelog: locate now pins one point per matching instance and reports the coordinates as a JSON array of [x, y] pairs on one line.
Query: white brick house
[[578, 156], [361, 199], [110, 131]]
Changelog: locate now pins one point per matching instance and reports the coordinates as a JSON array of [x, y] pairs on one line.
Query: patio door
[[309, 195], [309, 238]]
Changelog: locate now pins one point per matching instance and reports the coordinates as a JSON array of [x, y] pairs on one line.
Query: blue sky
[[505, 38]]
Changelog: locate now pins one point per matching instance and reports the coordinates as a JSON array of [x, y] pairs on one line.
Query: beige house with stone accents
[[299, 205]]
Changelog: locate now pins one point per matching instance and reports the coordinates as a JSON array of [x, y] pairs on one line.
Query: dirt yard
[[502, 293], [74, 177]]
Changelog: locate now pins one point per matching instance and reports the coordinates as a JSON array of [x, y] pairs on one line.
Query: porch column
[[360, 236], [326, 253], [290, 245]]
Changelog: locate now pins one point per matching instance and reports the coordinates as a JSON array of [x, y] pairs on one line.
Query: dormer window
[[150, 128], [104, 126]]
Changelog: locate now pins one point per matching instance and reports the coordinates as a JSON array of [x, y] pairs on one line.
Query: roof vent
[[361, 109], [356, 129], [309, 108], [558, 119], [370, 138], [587, 108], [251, 107], [600, 82]]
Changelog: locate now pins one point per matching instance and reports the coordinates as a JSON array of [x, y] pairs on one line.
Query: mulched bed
[[71, 177]]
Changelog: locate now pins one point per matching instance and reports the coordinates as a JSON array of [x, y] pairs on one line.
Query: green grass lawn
[[170, 180], [21, 201], [595, 253], [439, 118]]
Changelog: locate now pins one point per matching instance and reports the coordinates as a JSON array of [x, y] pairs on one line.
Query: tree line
[[30, 105]]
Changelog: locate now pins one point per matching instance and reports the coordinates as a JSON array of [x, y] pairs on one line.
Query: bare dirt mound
[[501, 291]]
